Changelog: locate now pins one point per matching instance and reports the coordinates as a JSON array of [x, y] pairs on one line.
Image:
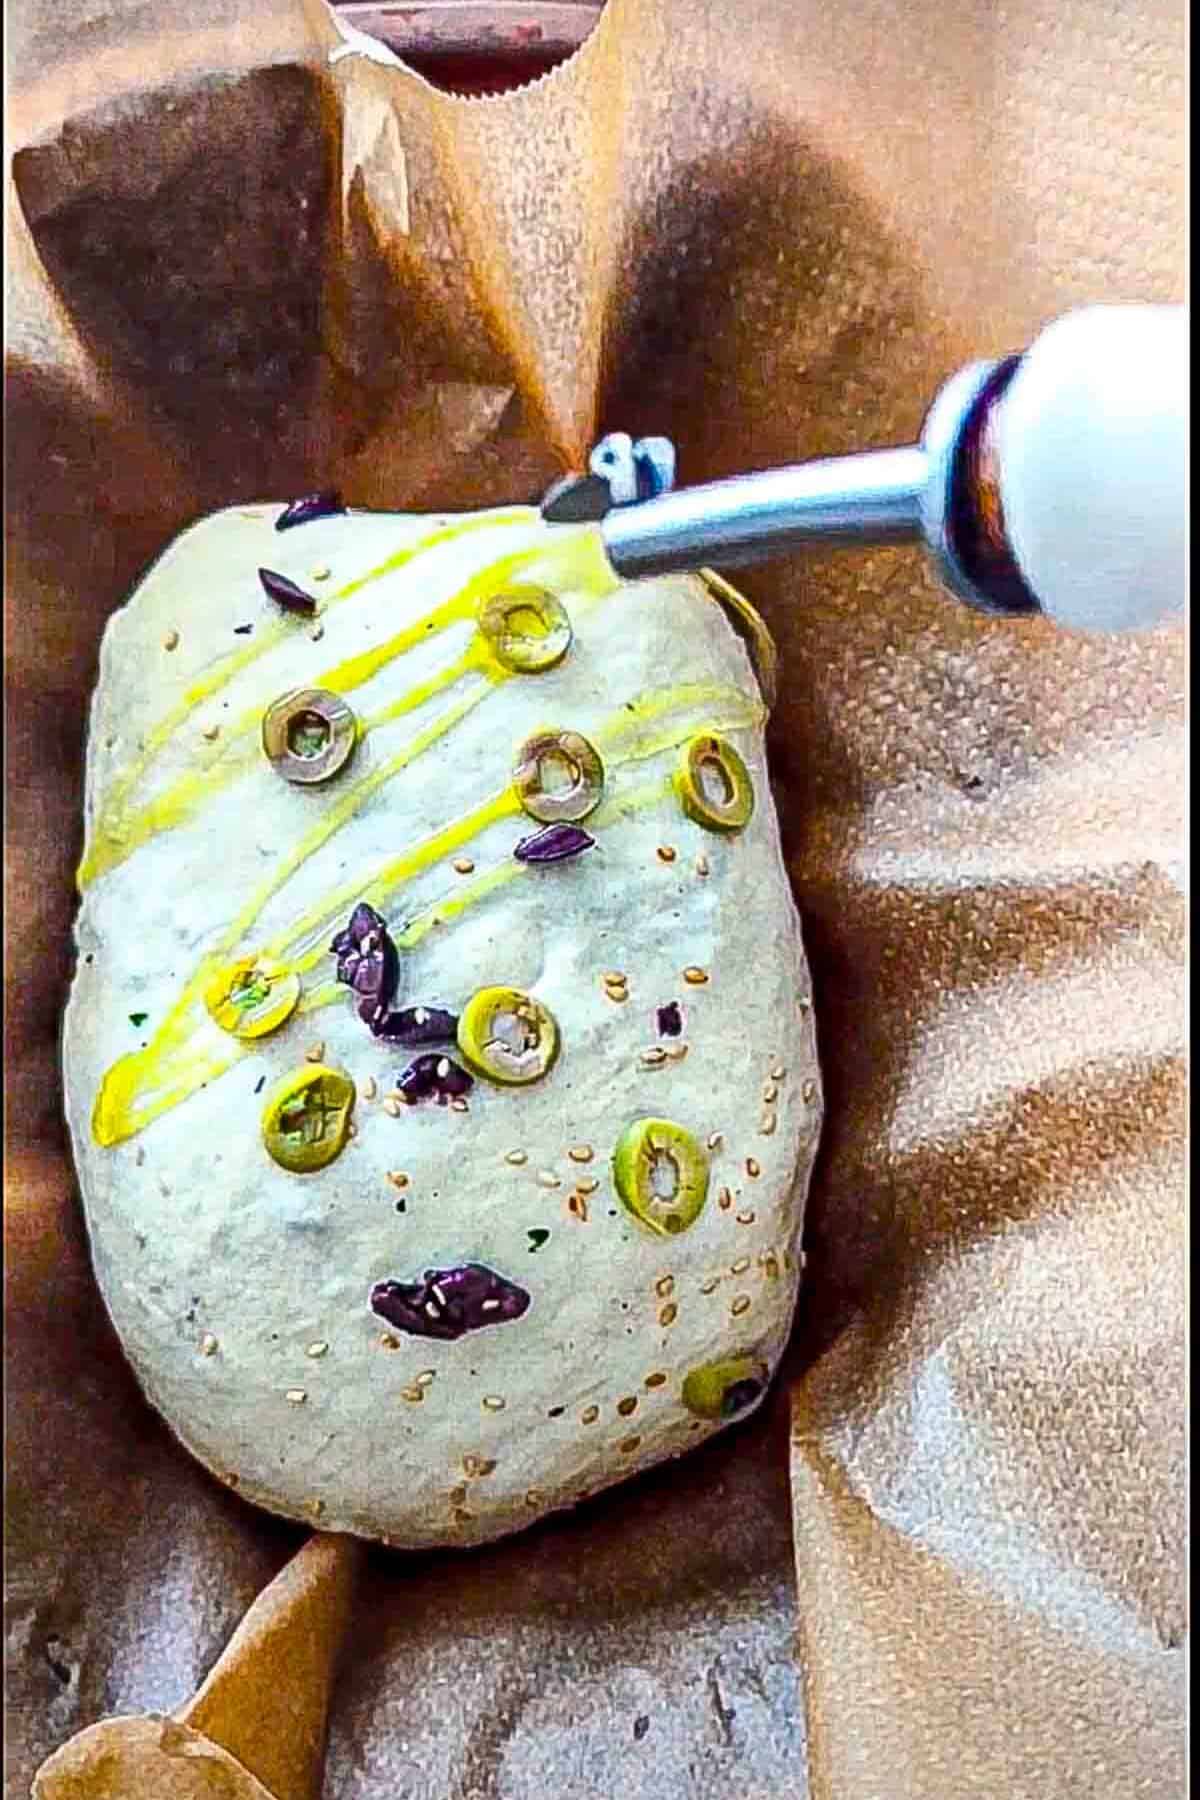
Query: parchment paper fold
[[237, 271]]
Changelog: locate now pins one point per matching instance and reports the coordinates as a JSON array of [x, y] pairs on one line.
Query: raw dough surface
[[240, 1290]]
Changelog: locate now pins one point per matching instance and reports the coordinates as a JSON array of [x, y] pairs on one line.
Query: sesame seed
[[767, 1124], [439, 1293], [770, 1266], [614, 978], [398, 1178], [314, 1053], [577, 1206], [709, 1286], [296, 1396], [532, 1497], [664, 1286], [458, 1104], [211, 732], [740, 1305], [587, 1184], [392, 1107], [752, 1168], [702, 866], [443, 1067], [666, 853], [413, 1394], [589, 1415], [321, 574], [669, 1314], [458, 1495], [716, 1139], [208, 1344], [745, 1218], [317, 633], [809, 1091], [548, 1179], [581, 1153], [426, 1378], [627, 1405], [475, 1466], [724, 1199], [388, 1342], [317, 1349], [628, 1445], [352, 1129], [695, 976], [618, 995], [740, 1266], [494, 1402], [368, 1089], [489, 1306], [770, 1094], [171, 641], [777, 1071], [463, 865], [316, 1507], [139, 1155], [653, 1058], [657, 1380], [515, 1157], [675, 1052]]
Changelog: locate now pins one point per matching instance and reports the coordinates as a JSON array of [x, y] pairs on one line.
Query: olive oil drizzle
[[189, 1050], [305, 939], [117, 833]]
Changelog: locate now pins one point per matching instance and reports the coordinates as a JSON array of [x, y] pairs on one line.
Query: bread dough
[[572, 1338]]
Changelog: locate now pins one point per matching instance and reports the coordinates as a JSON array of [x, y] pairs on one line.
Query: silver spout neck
[[870, 499]]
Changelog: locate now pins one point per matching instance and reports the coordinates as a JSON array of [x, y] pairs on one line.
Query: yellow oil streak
[[117, 833], [189, 1051]]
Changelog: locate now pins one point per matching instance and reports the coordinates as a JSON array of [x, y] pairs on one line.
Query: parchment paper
[[770, 230]]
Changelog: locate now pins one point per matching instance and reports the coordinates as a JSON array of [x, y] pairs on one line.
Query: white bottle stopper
[[1092, 441]]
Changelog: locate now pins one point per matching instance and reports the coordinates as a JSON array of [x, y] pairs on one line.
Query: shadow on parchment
[[205, 300]]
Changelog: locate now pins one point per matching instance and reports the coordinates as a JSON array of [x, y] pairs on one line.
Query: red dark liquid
[[497, 72], [477, 47]]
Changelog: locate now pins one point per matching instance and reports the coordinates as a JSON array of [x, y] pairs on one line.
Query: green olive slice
[[252, 996], [713, 783], [661, 1175], [527, 628], [506, 1035], [558, 776], [723, 1389], [309, 734], [306, 1119]]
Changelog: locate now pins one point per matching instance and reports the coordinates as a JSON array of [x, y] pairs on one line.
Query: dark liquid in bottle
[[497, 72]]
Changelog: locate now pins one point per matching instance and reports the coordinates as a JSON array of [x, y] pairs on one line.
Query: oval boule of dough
[[448, 1321]]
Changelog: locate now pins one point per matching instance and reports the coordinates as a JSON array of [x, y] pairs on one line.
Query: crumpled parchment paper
[[950, 1561]]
